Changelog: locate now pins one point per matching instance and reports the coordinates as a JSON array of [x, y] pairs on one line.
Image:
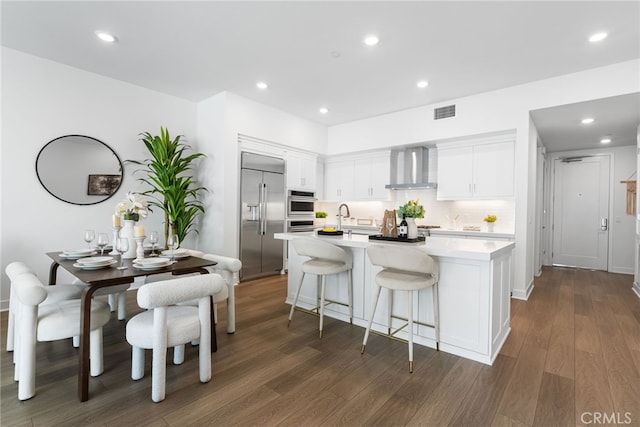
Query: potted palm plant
[[173, 189]]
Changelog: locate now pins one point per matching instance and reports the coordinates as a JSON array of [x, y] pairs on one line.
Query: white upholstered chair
[[404, 269], [54, 294], [166, 324], [227, 267], [325, 259], [37, 321], [116, 296]]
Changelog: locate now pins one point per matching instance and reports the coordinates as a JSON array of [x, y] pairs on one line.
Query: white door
[[581, 212]]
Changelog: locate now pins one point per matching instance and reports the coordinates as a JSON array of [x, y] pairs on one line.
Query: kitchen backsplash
[[447, 214]]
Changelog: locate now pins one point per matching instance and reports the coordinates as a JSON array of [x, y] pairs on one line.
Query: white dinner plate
[[83, 251], [95, 260], [152, 261], [95, 267], [76, 256], [151, 266], [177, 254]]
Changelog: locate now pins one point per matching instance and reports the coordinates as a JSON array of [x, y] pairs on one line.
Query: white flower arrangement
[[133, 207]]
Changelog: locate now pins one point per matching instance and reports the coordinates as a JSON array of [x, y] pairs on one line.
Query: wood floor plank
[[520, 398], [555, 406], [484, 396], [439, 408], [586, 334], [592, 389]]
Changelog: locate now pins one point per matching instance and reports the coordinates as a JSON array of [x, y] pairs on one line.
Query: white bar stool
[[326, 258], [404, 269]]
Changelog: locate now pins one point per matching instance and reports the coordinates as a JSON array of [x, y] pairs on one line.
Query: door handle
[[263, 230], [604, 224]]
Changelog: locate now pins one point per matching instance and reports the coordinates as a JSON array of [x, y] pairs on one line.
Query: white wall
[[488, 112], [42, 100], [220, 120], [621, 225]]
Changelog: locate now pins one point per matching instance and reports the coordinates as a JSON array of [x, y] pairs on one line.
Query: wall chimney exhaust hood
[[413, 168]]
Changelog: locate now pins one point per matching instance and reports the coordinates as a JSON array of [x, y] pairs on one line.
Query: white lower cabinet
[[474, 298]]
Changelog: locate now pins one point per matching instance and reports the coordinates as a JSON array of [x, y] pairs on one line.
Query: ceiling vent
[[444, 112]]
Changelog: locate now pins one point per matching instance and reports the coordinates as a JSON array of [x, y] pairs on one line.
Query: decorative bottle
[[402, 230]]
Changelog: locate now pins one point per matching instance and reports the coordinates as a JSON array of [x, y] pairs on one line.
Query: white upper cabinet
[[371, 174], [301, 170], [360, 177], [480, 170], [338, 180]]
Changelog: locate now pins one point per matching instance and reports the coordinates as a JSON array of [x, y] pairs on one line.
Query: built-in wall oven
[[300, 203], [300, 211], [299, 225]]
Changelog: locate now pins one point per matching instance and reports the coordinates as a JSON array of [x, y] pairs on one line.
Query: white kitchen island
[[474, 292]]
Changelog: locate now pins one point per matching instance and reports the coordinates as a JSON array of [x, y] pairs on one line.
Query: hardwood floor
[[573, 355]]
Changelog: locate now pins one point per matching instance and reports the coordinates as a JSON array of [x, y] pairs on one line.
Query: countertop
[[475, 249], [372, 229], [495, 235]]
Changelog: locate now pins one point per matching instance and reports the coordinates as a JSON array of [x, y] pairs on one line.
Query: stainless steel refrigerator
[[262, 211]]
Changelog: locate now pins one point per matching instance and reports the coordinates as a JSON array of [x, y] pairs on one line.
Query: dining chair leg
[[10, 328], [178, 354], [96, 360], [373, 312], [122, 305], [204, 355], [137, 363], [112, 302]]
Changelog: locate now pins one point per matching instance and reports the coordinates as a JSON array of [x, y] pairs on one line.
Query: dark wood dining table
[[111, 276]]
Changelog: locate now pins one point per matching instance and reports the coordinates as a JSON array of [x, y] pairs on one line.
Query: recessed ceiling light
[[598, 37], [323, 110], [371, 40], [587, 121], [262, 85], [422, 84], [106, 37], [605, 140]]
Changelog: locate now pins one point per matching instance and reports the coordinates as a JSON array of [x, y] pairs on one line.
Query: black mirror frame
[[82, 136]]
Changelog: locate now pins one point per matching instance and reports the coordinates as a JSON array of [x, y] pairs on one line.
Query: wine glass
[[123, 246], [390, 224], [89, 235], [103, 240], [153, 239], [172, 243]]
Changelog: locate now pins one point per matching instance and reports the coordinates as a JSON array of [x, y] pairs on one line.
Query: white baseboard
[[621, 270], [636, 288], [4, 305], [523, 295]]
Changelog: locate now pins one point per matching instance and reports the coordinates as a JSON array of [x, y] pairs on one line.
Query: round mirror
[[79, 169]]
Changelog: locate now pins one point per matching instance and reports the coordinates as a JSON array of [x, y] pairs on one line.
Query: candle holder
[[116, 234], [140, 248]]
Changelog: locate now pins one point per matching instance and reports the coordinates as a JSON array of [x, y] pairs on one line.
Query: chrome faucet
[[340, 215]]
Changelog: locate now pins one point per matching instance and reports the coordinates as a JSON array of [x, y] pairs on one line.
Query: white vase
[[490, 227], [127, 231], [412, 228]]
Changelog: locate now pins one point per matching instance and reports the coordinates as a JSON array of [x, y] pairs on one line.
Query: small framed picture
[[103, 185]]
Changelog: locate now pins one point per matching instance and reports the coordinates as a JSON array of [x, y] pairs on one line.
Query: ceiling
[[616, 117], [312, 54]]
